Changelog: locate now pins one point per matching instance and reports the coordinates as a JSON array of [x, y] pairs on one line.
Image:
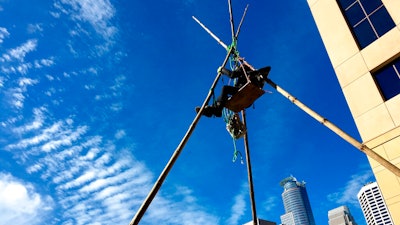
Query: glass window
[[355, 14], [367, 19], [364, 33], [346, 3], [379, 19], [388, 79], [370, 6]]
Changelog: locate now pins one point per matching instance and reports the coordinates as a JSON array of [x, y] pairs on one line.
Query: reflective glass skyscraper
[[297, 205]]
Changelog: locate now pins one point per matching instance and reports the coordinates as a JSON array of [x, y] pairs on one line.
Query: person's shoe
[[217, 109], [224, 71], [217, 112], [264, 72], [208, 111]]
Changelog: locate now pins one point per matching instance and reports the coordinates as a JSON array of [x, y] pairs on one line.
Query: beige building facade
[[340, 216], [362, 38]]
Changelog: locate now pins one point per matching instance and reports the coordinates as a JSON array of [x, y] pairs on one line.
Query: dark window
[[388, 79], [368, 19]]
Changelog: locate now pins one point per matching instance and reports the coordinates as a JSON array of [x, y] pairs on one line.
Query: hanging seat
[[245, 97]]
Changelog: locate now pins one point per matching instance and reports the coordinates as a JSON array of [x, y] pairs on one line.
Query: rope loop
[[236, 153]]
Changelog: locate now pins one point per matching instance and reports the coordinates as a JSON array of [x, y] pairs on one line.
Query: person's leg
[[223, 98], [263, 72], [216, 108], [259, 76], [225, 93]]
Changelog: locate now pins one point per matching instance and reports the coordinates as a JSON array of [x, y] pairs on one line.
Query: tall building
[[341, 216], [296, 203], [373, 205], [362, 39]]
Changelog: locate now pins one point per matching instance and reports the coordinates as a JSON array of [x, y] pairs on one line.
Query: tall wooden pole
[[210, 33], [139, 214], [241, 21], [363, 148], [231, 19], [249, 172]]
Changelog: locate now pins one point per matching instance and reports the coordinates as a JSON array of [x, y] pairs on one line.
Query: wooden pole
[[139, 214], [249, 172], [241, 21], [211, 33], [231, 20], [363, 148]]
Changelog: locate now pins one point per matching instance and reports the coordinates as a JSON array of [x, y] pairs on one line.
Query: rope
[[233, 48], [236, 153]]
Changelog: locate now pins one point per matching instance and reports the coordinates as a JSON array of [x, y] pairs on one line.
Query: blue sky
[[97, 94]]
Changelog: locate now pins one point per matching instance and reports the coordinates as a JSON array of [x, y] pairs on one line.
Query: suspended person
[[257, 77]]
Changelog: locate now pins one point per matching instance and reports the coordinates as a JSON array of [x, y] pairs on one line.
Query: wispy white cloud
[[16, 95], [40, 63], [97, 13], [95, 181], [239, 206], [33, 28], [38, 119], [3, 33], [14, 61], [45, 135], [120, 134], [348, 194], [20, 203], [269, 204], [65, 138], [20, 52]]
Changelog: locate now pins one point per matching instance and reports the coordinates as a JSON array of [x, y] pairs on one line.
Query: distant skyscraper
[[295, 200], [341, 216], [373, 205]]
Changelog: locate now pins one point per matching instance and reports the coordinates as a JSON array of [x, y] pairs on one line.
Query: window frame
[[394, 66], [365, 31]]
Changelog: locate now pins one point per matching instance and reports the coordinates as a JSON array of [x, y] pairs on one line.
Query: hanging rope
[[236, 153], [236, 129]]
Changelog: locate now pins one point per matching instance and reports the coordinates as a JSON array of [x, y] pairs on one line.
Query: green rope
[[233, 47], [236, 153]]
